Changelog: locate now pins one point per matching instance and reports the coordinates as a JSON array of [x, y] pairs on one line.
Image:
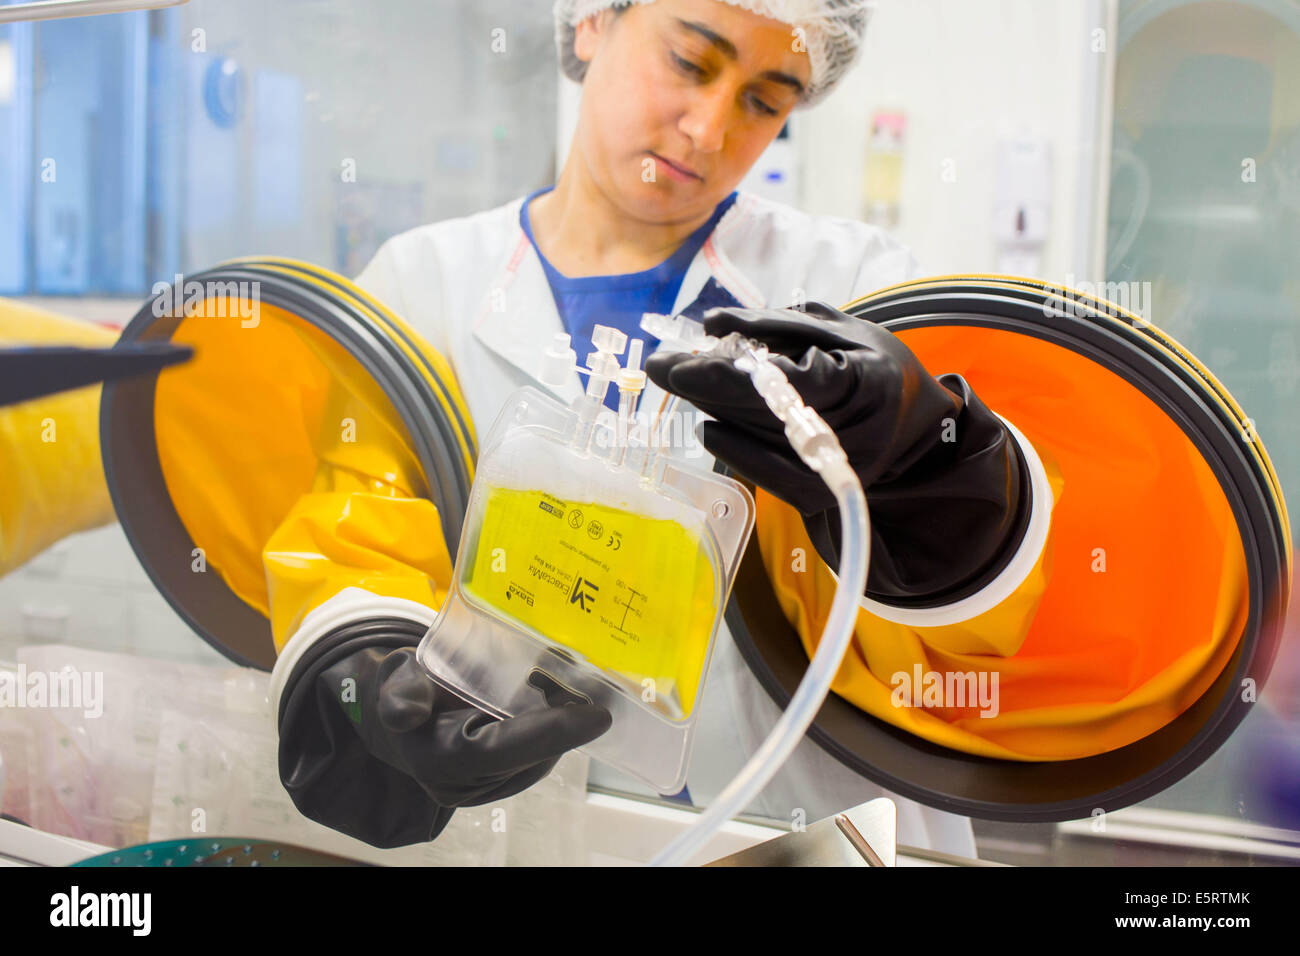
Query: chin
[[670, 202]]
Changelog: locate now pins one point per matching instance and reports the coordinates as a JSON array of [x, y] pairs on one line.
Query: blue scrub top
[[619, 300]]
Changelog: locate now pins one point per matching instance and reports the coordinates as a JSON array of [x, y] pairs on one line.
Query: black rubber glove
[[946, 487], [371, 746]]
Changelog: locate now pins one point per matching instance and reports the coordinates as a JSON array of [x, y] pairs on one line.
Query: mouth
[[677, 171]]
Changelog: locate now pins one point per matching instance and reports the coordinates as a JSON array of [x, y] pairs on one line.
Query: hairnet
[[832, 32]]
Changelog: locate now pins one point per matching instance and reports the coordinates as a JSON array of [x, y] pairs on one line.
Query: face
[[680, 98]]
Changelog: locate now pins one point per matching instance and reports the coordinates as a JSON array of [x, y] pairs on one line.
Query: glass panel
[[1205, 207], [147, 144], [136, 147], [15, 157]]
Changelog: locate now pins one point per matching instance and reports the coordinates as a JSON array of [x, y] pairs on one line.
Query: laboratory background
[[1154, 143]]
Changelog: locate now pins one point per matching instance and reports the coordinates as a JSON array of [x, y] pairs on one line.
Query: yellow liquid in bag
[[632, 594]]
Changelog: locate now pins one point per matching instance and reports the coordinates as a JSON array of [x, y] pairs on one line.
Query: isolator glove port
[[946, 486], [371, 746]]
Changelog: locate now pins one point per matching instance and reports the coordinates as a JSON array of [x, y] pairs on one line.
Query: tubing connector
[[631, 380], [687, 334]]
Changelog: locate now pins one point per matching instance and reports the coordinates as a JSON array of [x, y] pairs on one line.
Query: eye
[[686, 66], [760, 106]]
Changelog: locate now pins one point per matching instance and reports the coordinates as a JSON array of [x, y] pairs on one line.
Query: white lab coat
[[475, 288]]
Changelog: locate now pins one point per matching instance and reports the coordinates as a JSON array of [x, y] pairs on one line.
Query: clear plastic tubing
[[816, 444]]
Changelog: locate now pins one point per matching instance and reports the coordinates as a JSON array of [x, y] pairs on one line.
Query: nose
[[705, 119]]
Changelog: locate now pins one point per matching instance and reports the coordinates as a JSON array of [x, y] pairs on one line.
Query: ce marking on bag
[[596, 530]]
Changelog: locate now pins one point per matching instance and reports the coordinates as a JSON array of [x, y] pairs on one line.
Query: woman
[[680, 98]]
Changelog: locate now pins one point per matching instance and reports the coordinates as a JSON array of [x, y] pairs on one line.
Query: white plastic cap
[[558, 362], [608, 339]]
